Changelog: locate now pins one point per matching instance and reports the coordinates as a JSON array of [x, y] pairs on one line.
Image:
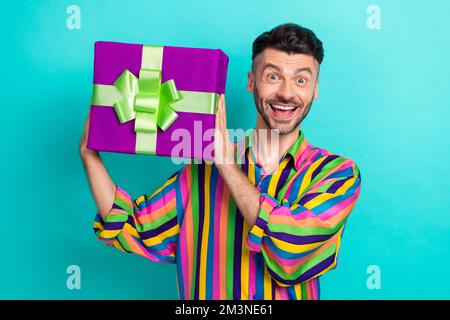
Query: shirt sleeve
[[147, 226], [301, 240]]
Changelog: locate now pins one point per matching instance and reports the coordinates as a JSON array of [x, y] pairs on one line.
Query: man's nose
[[286, 91]]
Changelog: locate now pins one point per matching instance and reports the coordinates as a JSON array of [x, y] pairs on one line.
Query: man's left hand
[[223, 148]]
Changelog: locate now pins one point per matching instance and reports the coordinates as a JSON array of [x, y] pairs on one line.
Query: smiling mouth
[[282, 107], [282, 111]]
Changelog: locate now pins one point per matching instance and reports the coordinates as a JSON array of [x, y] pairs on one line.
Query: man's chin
[[285, 132], [283, 129]]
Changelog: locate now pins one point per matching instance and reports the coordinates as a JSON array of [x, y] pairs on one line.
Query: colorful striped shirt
[[193, 222]]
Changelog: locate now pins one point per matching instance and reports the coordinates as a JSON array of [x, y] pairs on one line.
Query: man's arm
[[100, 183], [244, 193]]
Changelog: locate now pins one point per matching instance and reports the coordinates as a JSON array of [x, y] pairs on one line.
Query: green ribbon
[[149, 102]]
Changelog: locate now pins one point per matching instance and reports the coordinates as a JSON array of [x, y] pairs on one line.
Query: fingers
[[219, 138], [219, 107], [224, 110], [219, 113], [86, 124], [223, 106]]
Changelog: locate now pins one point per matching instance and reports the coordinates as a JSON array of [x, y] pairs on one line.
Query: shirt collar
[[297, 151]]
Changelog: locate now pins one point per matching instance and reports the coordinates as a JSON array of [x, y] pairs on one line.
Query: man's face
[[284, 87]]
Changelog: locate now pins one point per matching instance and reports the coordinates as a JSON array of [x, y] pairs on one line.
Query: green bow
[[146, 100]]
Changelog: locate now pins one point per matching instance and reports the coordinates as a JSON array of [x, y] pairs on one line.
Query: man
[[255, 224]]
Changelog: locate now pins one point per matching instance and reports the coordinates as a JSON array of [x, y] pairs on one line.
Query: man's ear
[[316, 90], [251, 82]]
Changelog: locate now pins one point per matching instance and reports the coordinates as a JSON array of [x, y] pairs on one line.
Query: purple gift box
[[194, 71]]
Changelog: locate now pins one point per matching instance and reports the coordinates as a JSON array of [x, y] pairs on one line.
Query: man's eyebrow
[[307, 69], [270, 65]]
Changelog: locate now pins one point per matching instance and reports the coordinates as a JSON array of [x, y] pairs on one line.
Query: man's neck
[[268, 146]]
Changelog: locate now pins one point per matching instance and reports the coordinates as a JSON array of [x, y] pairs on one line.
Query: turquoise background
[[383, 102]]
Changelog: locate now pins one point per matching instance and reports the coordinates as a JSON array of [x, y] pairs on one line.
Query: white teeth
[[279, 107]]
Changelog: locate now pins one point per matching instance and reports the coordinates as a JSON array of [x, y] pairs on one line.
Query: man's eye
[[301, 80], [272, 77]]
